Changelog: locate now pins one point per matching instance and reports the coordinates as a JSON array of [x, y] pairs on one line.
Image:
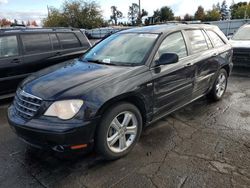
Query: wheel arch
[[132, 98], [227, 68]]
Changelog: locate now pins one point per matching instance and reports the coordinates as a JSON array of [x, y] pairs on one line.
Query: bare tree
[[133, 13], [116, 14]]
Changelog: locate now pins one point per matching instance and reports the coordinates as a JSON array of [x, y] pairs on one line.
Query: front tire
[[119, 131], [220, 86]]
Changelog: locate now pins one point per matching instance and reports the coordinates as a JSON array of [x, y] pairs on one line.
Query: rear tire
[[119, 131], [220, 86]]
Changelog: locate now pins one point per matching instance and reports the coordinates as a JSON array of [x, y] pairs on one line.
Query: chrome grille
[[26, 105]]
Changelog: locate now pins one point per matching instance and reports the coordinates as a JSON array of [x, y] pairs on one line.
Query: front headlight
[[64, 109]]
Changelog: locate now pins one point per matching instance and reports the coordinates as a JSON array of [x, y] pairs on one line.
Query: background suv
[[122, 84], [24, 51], [241, 46]]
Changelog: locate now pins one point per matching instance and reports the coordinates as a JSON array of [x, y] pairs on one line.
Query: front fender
[[129, 90]]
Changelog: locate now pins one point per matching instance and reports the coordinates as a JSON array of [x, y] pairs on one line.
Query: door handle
[[16, 61], [188, 64], [58, 53], [215, 54]]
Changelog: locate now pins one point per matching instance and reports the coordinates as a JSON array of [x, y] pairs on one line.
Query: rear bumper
[[49, 138]]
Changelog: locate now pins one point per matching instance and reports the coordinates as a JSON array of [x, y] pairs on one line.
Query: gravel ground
[[205, 144]]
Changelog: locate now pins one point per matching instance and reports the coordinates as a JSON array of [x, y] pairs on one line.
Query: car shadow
[[6, 102]]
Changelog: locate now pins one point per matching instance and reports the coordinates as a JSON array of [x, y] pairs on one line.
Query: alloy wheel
[[221, 85], [122, 132]]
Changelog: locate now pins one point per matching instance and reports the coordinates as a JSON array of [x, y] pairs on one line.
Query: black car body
[[27, 50], [240, 42], [153, 88]]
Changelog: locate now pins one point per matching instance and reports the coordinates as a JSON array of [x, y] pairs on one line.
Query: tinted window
[[216, 39], [55, 42], [174, 43], [209, 43], [68, 40], [36, 43], [8, 46], [198, 41]]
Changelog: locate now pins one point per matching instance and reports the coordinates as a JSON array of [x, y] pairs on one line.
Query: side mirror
[[168, 58]]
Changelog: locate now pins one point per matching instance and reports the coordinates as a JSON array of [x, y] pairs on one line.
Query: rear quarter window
[[8, 46], [36, 43], [54, 41], [215, 38], [209, 43], [68, 40], [197, 40]]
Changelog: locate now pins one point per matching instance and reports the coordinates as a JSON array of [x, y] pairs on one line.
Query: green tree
[[177, 18], [76, 13], [212, 15], [164, 14], [243, 12], [55, 19], [200, 14], [240, 10], [188, 17], [157, 16], [116, 14]]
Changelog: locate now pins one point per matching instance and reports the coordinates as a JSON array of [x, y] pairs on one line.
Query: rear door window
[[215, 38], [36, 43], [197, 40], [8, 46], [68, 40]]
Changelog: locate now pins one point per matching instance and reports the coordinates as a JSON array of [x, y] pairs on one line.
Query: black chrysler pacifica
[[122, 84]]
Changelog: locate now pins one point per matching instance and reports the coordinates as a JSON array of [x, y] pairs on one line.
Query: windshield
[[122, 49], [242, 34]]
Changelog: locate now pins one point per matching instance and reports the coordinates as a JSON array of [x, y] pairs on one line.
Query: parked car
[[122, 84], [26, 50], [240, 42]]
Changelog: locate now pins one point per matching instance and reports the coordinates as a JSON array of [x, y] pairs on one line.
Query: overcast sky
[[37, 9]]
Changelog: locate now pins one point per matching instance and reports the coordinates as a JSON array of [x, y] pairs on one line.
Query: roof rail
[[22, 29], [192, 22]]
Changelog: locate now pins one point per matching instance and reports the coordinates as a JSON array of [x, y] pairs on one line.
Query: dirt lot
[[204, 144]]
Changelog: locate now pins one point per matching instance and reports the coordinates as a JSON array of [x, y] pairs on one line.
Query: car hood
[[240, 43], [53, 82]]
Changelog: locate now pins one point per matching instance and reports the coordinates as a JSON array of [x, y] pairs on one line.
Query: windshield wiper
[[98, 62]]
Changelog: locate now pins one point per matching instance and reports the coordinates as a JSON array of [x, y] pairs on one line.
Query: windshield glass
[[122, 49], [242, 34]]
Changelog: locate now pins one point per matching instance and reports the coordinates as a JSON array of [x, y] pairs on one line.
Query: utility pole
[[245, 15], [139, 16], [48, 11], [140, 9]]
